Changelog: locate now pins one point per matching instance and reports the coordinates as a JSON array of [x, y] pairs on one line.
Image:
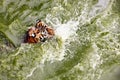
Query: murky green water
[[86, 45]]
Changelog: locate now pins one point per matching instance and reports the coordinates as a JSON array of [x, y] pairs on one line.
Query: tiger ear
[[38, 20]]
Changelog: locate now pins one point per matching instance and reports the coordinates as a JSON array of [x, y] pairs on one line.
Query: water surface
[[86, 45]]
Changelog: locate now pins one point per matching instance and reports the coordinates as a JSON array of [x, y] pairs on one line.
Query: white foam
[[31, 72], [66, 30], [97, 8], [95, 58]]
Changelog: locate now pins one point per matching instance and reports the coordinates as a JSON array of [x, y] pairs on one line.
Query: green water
[[86, 45]]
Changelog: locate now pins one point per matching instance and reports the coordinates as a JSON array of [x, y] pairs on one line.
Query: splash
[[66, 31]]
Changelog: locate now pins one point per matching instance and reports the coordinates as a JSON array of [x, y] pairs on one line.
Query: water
[[86, 45]]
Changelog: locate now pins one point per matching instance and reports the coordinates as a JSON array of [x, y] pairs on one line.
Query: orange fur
[[50, 31]]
